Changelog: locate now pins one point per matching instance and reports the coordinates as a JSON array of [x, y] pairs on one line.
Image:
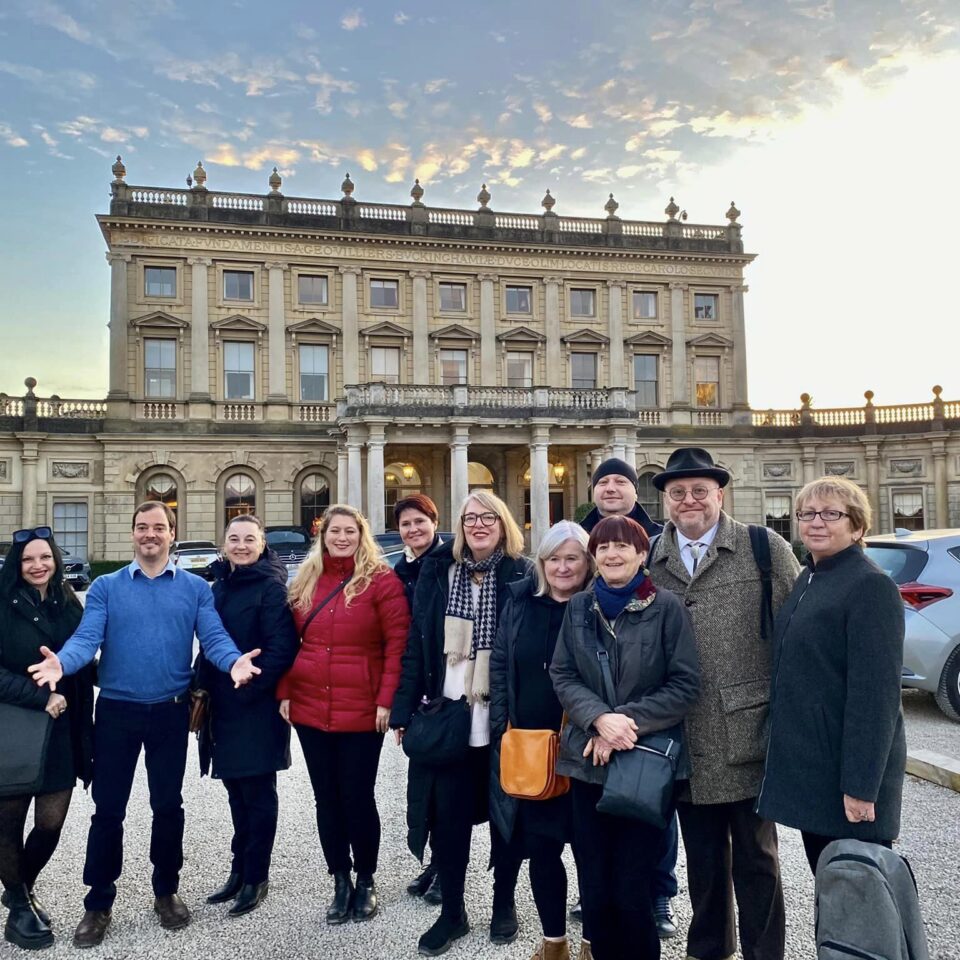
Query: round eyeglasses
[[827, 516], [679, 494]]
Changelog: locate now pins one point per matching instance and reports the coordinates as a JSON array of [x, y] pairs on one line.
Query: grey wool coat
[[727, 729]]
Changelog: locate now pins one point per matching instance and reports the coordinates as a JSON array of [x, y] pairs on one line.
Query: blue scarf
[[612, 600]]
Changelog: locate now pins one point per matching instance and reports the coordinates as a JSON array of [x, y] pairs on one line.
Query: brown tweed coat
[[726, 730]]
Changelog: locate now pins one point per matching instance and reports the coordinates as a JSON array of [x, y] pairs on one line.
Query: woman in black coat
[[460, 593], [837, 748], [521, 694], [245, 738], [38, 609]]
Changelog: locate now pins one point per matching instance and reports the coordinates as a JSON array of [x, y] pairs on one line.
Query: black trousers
[[254, 809], [460, 799], [121, 730], [814, 844], [343, 773], [548, 883], [732, 853], [616, 859]]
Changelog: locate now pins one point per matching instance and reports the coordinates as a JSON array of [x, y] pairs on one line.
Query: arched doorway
[[479, 477], [400, 479], [313, 499]]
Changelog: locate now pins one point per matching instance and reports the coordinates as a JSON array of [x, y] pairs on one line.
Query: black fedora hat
[[690, 462]]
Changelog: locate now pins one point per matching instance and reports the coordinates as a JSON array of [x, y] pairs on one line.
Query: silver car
[[925, 565]]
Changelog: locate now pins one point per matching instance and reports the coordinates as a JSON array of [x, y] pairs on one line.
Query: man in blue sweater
[[142, 619]]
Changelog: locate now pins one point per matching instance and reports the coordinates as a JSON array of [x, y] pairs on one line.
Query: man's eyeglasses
[[484, 519], [678, 494], [827, 516], [40, 533]]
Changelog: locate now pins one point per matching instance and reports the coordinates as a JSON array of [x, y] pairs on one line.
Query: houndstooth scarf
[[468, 631]]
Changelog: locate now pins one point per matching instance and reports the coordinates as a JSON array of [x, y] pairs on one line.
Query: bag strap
[[610, 691], [760, 544], [320, 606]]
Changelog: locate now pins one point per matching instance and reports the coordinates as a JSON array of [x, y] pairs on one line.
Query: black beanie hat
[[614, 466]]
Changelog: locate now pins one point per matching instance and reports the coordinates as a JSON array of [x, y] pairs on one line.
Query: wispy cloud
[[10, 136], [353, 19], [400, 18], [51, 15]]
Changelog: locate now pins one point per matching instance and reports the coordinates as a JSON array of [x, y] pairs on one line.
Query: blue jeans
[[121, 730]]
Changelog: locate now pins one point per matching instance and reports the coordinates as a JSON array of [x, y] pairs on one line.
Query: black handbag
[[24, 735], [640, 782], [439, 731]]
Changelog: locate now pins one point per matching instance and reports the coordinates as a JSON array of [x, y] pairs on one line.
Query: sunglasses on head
[[40, 533]]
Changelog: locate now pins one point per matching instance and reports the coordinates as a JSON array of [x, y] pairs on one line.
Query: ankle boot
[[341, 906], [552, 950], [24, 927], [228, 891], [40, 909], [364, 898]]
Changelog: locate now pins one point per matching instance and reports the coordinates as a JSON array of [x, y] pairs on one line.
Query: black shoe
[[364, 899], [433, 896], [663, 915], [420, 885], [91, 928], [438, 938], [24, 927], [341, 907], [39, 908], [576, 912], [174, 914], [228, 891], [250, 897], [504, 926]]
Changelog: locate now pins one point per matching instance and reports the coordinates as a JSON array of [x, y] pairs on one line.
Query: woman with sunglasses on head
[[837, 749], [460, 593], [38, 609]]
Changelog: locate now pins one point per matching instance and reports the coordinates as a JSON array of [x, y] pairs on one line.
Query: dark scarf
[[612, 600]]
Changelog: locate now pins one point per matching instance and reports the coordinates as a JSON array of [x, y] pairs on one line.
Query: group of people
[[786, 712]]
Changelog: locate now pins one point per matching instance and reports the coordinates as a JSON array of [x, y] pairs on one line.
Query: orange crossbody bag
[[528, 764]]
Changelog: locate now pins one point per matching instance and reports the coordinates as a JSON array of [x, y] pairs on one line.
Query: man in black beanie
[[614, 491]]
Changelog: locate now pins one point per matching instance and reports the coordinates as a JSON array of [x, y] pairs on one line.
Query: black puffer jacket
[[245, 734]]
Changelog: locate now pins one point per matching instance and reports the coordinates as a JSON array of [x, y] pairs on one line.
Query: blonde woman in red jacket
[[352, 615]]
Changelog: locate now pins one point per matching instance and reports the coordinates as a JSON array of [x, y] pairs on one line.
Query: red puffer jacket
[[349, 661]]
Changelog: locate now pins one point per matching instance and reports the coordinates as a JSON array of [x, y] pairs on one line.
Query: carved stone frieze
[[841, 468], [778, 471], [70, 469], [908, 468], [4, 469]]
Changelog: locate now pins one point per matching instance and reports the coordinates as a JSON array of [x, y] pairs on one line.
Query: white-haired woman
[[460, 593], [352, 615], [521, 693]]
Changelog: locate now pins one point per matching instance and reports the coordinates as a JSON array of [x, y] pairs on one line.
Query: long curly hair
[[367, 561], [11, 579]]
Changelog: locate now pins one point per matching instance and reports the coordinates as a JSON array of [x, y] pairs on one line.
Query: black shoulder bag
[[439, 732]]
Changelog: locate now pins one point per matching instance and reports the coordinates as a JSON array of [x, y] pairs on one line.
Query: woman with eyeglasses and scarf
[[460, 593], [38, 609]]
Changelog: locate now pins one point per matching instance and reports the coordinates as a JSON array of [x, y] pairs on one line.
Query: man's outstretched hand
[[243, 670], [48, 671]]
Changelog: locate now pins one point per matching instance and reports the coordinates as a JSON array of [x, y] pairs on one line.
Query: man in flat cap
[[713, 563]]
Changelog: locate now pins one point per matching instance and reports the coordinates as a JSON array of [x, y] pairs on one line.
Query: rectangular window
[[908, 510], [453, 296], [70, 528], [238, 371], [385, 364], [583, 303], [238, 285], [519, 369], [384, 293], [520, 300], [314, 373], [583, 371], [160, 281], [706, 306], [645, 379], [453, 367], [311, 289], [777, 515], [706, 372], [644, 305], [159, 368]]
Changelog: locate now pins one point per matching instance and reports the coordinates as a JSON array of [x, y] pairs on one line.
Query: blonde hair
[[854, 500], [553, 540], [367, 561], [511, 539]]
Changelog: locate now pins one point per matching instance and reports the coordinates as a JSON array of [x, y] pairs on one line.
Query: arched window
[[648, 496], [239, 496], [162, 487], [314, 499]]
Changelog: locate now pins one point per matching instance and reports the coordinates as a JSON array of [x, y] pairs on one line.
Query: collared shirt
[[134, 568], [683, 544]]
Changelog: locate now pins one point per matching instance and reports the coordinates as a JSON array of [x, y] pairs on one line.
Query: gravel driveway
[[290, 923]]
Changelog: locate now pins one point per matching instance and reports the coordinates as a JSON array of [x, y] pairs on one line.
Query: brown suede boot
[[552, 950], [585, 952]]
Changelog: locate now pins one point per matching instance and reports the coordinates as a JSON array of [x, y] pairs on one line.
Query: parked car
[[195, 556], [925, 565], [76, 571], [391, 546], [291, 544]]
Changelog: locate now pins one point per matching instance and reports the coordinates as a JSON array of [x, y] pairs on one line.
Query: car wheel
[[948, 693]]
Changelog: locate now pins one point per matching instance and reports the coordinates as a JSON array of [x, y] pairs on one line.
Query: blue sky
[[832, 126]]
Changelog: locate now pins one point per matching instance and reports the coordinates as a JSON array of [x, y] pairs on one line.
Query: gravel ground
[[290, 923]]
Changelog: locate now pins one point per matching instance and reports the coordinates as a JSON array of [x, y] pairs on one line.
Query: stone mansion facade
[[276, 354]]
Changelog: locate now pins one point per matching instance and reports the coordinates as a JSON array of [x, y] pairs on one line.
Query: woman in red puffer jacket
[[352, 615]]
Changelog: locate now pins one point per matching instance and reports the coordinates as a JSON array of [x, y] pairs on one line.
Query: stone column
[[342, 474], [618, 445], [459, 479], [376, 491], [940, 482], [808, 456], [740, 401], [29, 455], [539, 484], [488, 332], [351, 329], [119, 319], [277, 334], [199, 330], [555, 369], [421, 327], [872, 452], [584, 473], [438, 490], [680, 394], [615, 290], [354, 470]]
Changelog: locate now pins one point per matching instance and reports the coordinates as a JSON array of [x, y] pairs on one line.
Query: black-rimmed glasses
[[40, 533], [827, 516], [484, 519]]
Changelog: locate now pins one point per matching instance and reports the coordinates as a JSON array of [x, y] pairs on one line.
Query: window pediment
[[522, 335], [238, 322], [454, 331], [649, 339], [385, 329], [585, 337], [710, 340], [313, 325], [158, 319]]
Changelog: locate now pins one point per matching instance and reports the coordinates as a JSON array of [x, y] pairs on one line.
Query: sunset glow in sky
[[833, 126]]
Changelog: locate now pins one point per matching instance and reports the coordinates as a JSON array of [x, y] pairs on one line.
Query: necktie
[[695, 553]]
